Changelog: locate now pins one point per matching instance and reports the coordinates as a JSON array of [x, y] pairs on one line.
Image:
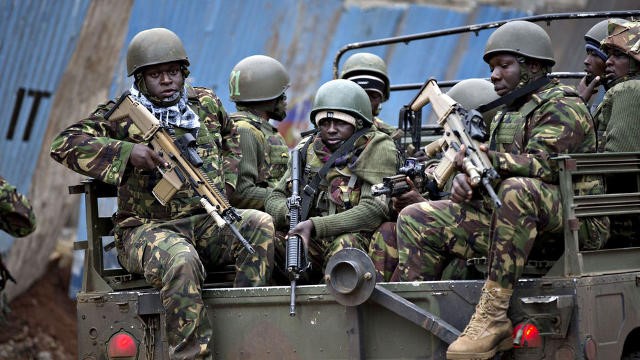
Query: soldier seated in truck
[[340, 165], [171, 243], [543, 118]]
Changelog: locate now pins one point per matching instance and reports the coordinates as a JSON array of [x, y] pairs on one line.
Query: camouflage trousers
[[431, 233], [383, 251], [319, 253], [173, 255]]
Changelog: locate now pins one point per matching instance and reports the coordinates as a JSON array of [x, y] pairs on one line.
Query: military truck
[[580, 305]]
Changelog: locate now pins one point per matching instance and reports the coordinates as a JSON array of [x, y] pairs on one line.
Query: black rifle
[[296, 254], [397, 184]]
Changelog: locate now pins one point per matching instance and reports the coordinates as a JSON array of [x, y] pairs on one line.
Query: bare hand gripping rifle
[[184, 165], [296, 255], [461, 127]]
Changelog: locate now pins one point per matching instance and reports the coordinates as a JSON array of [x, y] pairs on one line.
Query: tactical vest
[[135, 200], [272, 161], [338, 191], [510, 130]]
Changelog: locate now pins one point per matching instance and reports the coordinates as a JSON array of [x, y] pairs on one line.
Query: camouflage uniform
[[17, 219], [553, 121], [171, 245], [264, 160], [343, 211], [16, 214]]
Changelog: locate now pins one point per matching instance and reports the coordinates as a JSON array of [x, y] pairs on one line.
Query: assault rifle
[[296, 255], [397, 184], [184, 164], [461, 127]]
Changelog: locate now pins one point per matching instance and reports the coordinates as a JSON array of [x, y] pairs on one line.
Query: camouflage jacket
[[554, 121], [264, 160], [100, 148], [343, 202], [16, 214], [616, 117]]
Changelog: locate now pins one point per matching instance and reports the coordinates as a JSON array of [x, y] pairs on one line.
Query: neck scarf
[[178, 115]]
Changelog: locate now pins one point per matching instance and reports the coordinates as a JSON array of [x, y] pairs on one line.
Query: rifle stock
[[458, 123], [183, 167]]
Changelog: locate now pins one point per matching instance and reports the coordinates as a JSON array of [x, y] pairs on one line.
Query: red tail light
[[526, 335], [121, 346]]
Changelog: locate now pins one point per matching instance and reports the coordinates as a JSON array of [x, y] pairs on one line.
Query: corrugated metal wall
[[37, 39]]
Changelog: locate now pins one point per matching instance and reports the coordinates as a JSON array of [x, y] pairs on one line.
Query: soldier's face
[[617, 65], [163, 81], [334, 132], [376, 99], [505, 73], [593, 64]]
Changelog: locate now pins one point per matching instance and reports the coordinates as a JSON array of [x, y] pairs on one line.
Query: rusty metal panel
[[37, 39]]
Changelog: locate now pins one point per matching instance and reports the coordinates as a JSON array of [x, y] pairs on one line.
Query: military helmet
[[154, 46], [521, 38], [344, 96], [624, 37], [598, 32], [367, 64], [257, 78], [472, 93]]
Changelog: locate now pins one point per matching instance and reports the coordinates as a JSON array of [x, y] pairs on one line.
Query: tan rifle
[[184, 164], [461, 127]]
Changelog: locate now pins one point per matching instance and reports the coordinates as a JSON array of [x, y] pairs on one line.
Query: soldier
[[470, 93], [370, 72], [340, 164], [17, 219], [616, 117], [170, 245], [542, 118], [594, 62], [257, 85]]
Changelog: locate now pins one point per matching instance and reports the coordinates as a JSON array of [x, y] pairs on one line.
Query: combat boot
[[489, 329]]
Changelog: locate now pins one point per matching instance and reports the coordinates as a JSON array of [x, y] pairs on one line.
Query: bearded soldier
[[257, 85], [170, 245], [541, 118], [340, 165]]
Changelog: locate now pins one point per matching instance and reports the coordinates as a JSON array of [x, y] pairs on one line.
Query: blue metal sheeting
[[37, 39], [305, 36]]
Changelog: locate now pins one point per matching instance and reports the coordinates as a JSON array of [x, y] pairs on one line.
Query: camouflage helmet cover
[[154, 46], [367, 63], [624, 37], [257, 78], [344, 96], [521, 38]]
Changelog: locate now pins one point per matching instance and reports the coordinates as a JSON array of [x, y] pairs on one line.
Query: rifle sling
[[310, 189], [508, 99], [515, 95]]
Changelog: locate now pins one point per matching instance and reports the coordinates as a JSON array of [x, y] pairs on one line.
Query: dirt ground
[[42, 322]]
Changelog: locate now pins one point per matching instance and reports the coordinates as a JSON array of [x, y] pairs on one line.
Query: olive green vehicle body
[[585, 304]]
